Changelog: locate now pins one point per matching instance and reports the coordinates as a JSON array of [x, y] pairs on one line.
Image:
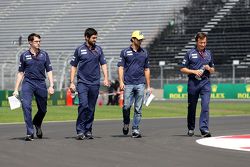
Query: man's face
[[92, 40], [35, 43], [137, 42], [201, 44]]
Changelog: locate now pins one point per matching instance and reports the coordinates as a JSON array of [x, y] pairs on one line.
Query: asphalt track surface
[[164, 144]]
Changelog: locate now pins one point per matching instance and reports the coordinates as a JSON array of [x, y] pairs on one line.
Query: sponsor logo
[[83, 52], [214, 88], [184, 61], [248, 88], [73, 58], [179, 88], [28, 57], [129, 53], [194, 55]]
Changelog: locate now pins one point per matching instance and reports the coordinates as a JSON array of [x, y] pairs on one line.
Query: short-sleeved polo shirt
[[134, 64], [34, 66], [88, 62], [195, 60]]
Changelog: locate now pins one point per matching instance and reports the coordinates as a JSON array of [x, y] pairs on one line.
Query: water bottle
[[202, 71]]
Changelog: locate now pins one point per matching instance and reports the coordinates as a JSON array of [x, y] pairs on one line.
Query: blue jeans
[[133, 93]]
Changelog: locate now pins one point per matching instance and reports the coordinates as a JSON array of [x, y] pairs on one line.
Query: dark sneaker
[[89, 135], [205, 134], [39, 132], [80, 137], [29, 137], [125, 129], [136, 133], [190, 132]]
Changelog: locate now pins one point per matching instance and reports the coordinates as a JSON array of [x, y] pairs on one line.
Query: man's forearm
[[72, 74], [18, 80], [50, 77], [147, 76], [105, 71]]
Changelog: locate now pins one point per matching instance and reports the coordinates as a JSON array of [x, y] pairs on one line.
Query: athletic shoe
[[39, 132], [80, 136], [190, 132], [125, 129], [136, 133], [89, 135], [29, 137], [205, 134]]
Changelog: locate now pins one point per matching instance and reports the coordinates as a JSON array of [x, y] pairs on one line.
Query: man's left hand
[[105, 82], [51, 90]]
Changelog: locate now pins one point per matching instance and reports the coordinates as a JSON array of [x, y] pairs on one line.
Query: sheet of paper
[[150, 98], [14, 102]]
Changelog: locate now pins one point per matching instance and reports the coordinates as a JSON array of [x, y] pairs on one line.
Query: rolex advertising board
[[218, 91]]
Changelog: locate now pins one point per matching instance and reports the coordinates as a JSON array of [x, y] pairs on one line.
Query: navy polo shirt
[[134, 64], [33, 66], [88, 62], [195, 60]]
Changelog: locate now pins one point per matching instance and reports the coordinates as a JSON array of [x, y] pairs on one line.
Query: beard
[[91, 43]]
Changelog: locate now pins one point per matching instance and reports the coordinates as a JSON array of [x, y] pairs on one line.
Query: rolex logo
[[214, 88], [248, 88], [179, 88]]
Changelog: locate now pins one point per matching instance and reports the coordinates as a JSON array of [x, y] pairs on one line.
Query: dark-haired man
[[198, 65], [33, 64], [87, 58]]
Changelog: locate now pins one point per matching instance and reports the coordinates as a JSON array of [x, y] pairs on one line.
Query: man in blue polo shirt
[[198, 64], [88, 58], [134, 73], [33, 64]]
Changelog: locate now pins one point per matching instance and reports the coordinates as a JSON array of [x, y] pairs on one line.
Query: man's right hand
[[72, 87], [122, 86], [15, 93]]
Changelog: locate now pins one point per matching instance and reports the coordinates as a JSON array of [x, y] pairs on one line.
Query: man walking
[[134, 73], [198, 64], [33, 64], [87, 58]]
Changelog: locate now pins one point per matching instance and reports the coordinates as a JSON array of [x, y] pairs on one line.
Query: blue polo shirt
[[33, 66], [195, 60], [134, 64], [88, 62]]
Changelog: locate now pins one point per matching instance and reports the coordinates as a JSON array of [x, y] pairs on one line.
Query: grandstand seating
[[228, 26], [62, 23]]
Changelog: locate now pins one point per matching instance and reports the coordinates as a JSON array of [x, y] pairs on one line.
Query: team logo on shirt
[[28, 57], [120, 59], [129, 53], [73, 58], [194, 55], [184, 61], [83, 52]]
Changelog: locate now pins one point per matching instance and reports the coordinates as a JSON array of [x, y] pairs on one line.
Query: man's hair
[[32, 35], [200, 35], [89, 32]]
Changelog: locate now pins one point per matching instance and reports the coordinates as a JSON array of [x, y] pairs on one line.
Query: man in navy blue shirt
[[88, 58], [134, 73], [198, 64], [33, 64]]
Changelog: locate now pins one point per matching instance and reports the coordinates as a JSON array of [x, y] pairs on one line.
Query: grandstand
[[228, 28], [168, 25], [61, 24]]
